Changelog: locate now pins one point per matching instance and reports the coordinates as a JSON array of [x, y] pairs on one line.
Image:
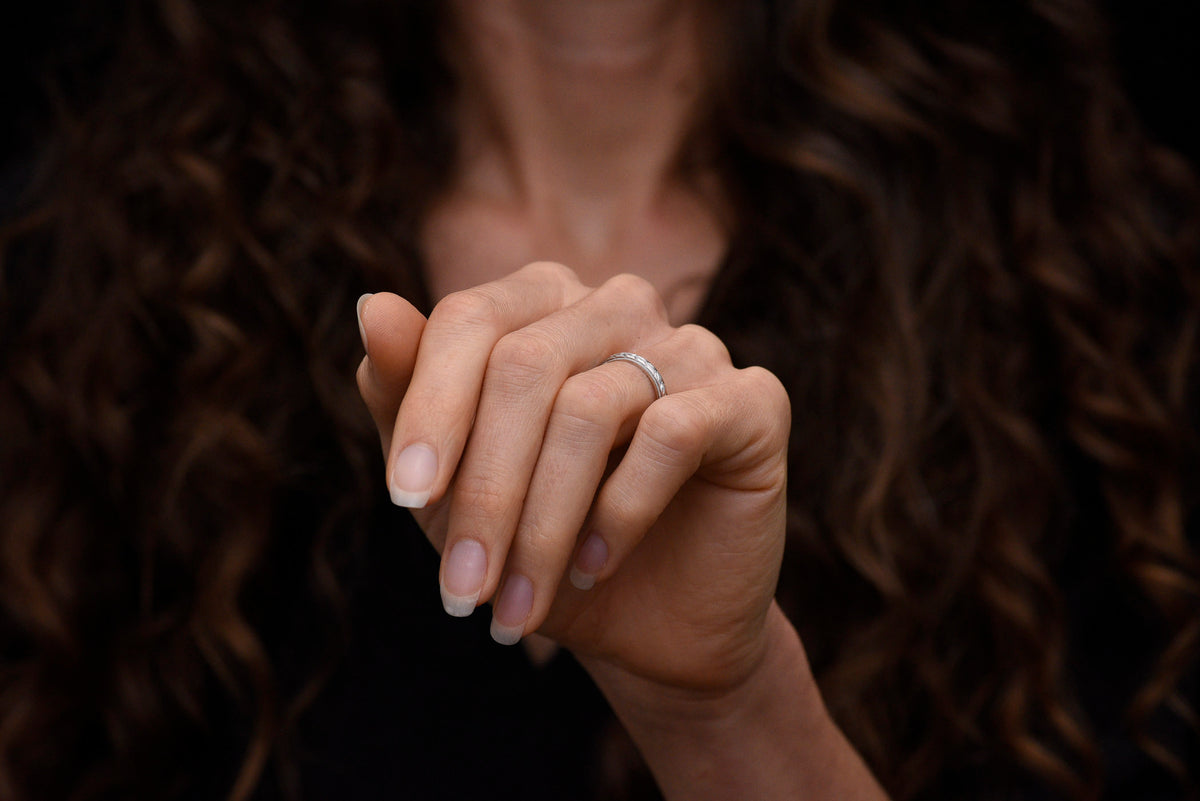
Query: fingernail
[[413, 475], [512, 610], [593, 556], [462, 577], [362, 330]]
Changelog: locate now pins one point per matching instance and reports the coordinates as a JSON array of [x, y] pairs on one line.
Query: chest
[[676, 244]]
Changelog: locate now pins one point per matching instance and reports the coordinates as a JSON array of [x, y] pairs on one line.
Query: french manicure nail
[[413, 475], [462, 577], [512, 610], [593, 556], [362, 329]]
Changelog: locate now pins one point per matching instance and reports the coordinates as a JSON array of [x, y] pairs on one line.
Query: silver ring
[[649, 369]]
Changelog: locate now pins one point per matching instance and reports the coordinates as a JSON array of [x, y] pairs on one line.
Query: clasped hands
[[643, 534]]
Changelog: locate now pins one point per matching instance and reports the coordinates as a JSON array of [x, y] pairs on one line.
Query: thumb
[[391, 328]]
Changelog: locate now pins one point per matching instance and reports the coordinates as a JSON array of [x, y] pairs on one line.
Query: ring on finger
[[656, 379]]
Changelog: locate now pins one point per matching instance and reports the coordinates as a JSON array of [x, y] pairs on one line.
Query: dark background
[[1159, 58], [1156, 46]]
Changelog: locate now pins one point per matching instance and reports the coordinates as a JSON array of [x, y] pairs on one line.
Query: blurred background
[[1155, 43]]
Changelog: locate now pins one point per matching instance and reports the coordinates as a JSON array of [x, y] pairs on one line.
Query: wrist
[[766, 736], [772, 664]]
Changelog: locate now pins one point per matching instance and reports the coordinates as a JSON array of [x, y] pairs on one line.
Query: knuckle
[[524, 353], [766, 386], [633, 289], [763, 389], [675, 427], [586, 406], [699, 341], [541, 550], [483, 496], [533, 551], [476, 308], [628, 512], [533, 541], [590, 395], [551, 271]]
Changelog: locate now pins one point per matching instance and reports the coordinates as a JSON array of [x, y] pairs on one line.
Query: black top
[[428, 707]]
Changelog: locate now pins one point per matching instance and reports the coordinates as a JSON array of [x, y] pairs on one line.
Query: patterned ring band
[[651, 372]]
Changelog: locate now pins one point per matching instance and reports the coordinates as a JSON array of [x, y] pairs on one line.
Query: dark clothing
[[429, 707]]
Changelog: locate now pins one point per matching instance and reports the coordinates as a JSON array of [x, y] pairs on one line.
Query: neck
[[576, 112]]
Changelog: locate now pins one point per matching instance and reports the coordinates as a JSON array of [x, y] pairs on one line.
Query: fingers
[[732, 434], [500, 416], [524, 375], [587, 420], [436, 414], [594, 411]]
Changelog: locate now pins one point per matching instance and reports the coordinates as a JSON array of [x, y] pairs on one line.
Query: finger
[[732, 434], [524, 375], [593, 412], [589, 413], [437, 411], [391, 330]]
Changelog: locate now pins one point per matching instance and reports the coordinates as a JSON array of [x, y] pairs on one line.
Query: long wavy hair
[[986, 275]]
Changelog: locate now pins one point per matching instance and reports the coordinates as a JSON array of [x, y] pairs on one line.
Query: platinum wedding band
[[649, 369]]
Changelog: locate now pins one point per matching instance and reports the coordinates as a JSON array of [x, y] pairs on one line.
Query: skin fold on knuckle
[[624, 513], [585, 412], [549, 271], [481, 496], [470, 310], [639, 294], [578, 435], [757, 455], [700, 343], [773, 400], [522, 363], [674, 431], [541, 555]]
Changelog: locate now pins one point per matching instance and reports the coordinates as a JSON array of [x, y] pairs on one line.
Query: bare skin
[[501, 421], [571, 121]]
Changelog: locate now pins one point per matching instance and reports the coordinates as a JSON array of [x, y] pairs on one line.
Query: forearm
[[770, 738]]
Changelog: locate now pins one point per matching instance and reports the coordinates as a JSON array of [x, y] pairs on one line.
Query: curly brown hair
[[987, 280], [994, 293]]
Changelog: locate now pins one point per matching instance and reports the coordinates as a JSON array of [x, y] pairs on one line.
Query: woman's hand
[[644, 533]]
